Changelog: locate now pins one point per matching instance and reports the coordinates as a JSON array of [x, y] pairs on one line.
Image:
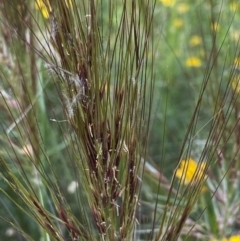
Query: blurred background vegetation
[[195, 113]]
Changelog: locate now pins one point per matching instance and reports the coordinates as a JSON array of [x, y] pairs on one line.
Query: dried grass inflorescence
[[104, 106], [101, 73]]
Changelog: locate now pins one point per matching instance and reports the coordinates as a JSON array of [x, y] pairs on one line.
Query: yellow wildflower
[[231, 238], [234, 6], [234, 238], [44, 7], [190, 169], [195, 40], [182, 8], [178, 23], [193, 62], [168, 3]]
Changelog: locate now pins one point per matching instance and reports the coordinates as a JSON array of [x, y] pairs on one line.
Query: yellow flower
[[168, 3], [193, 62], [44, 7], [178, 23], [190, 169], [234, 6], [234, 238], [195, 40], [183, 8]]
